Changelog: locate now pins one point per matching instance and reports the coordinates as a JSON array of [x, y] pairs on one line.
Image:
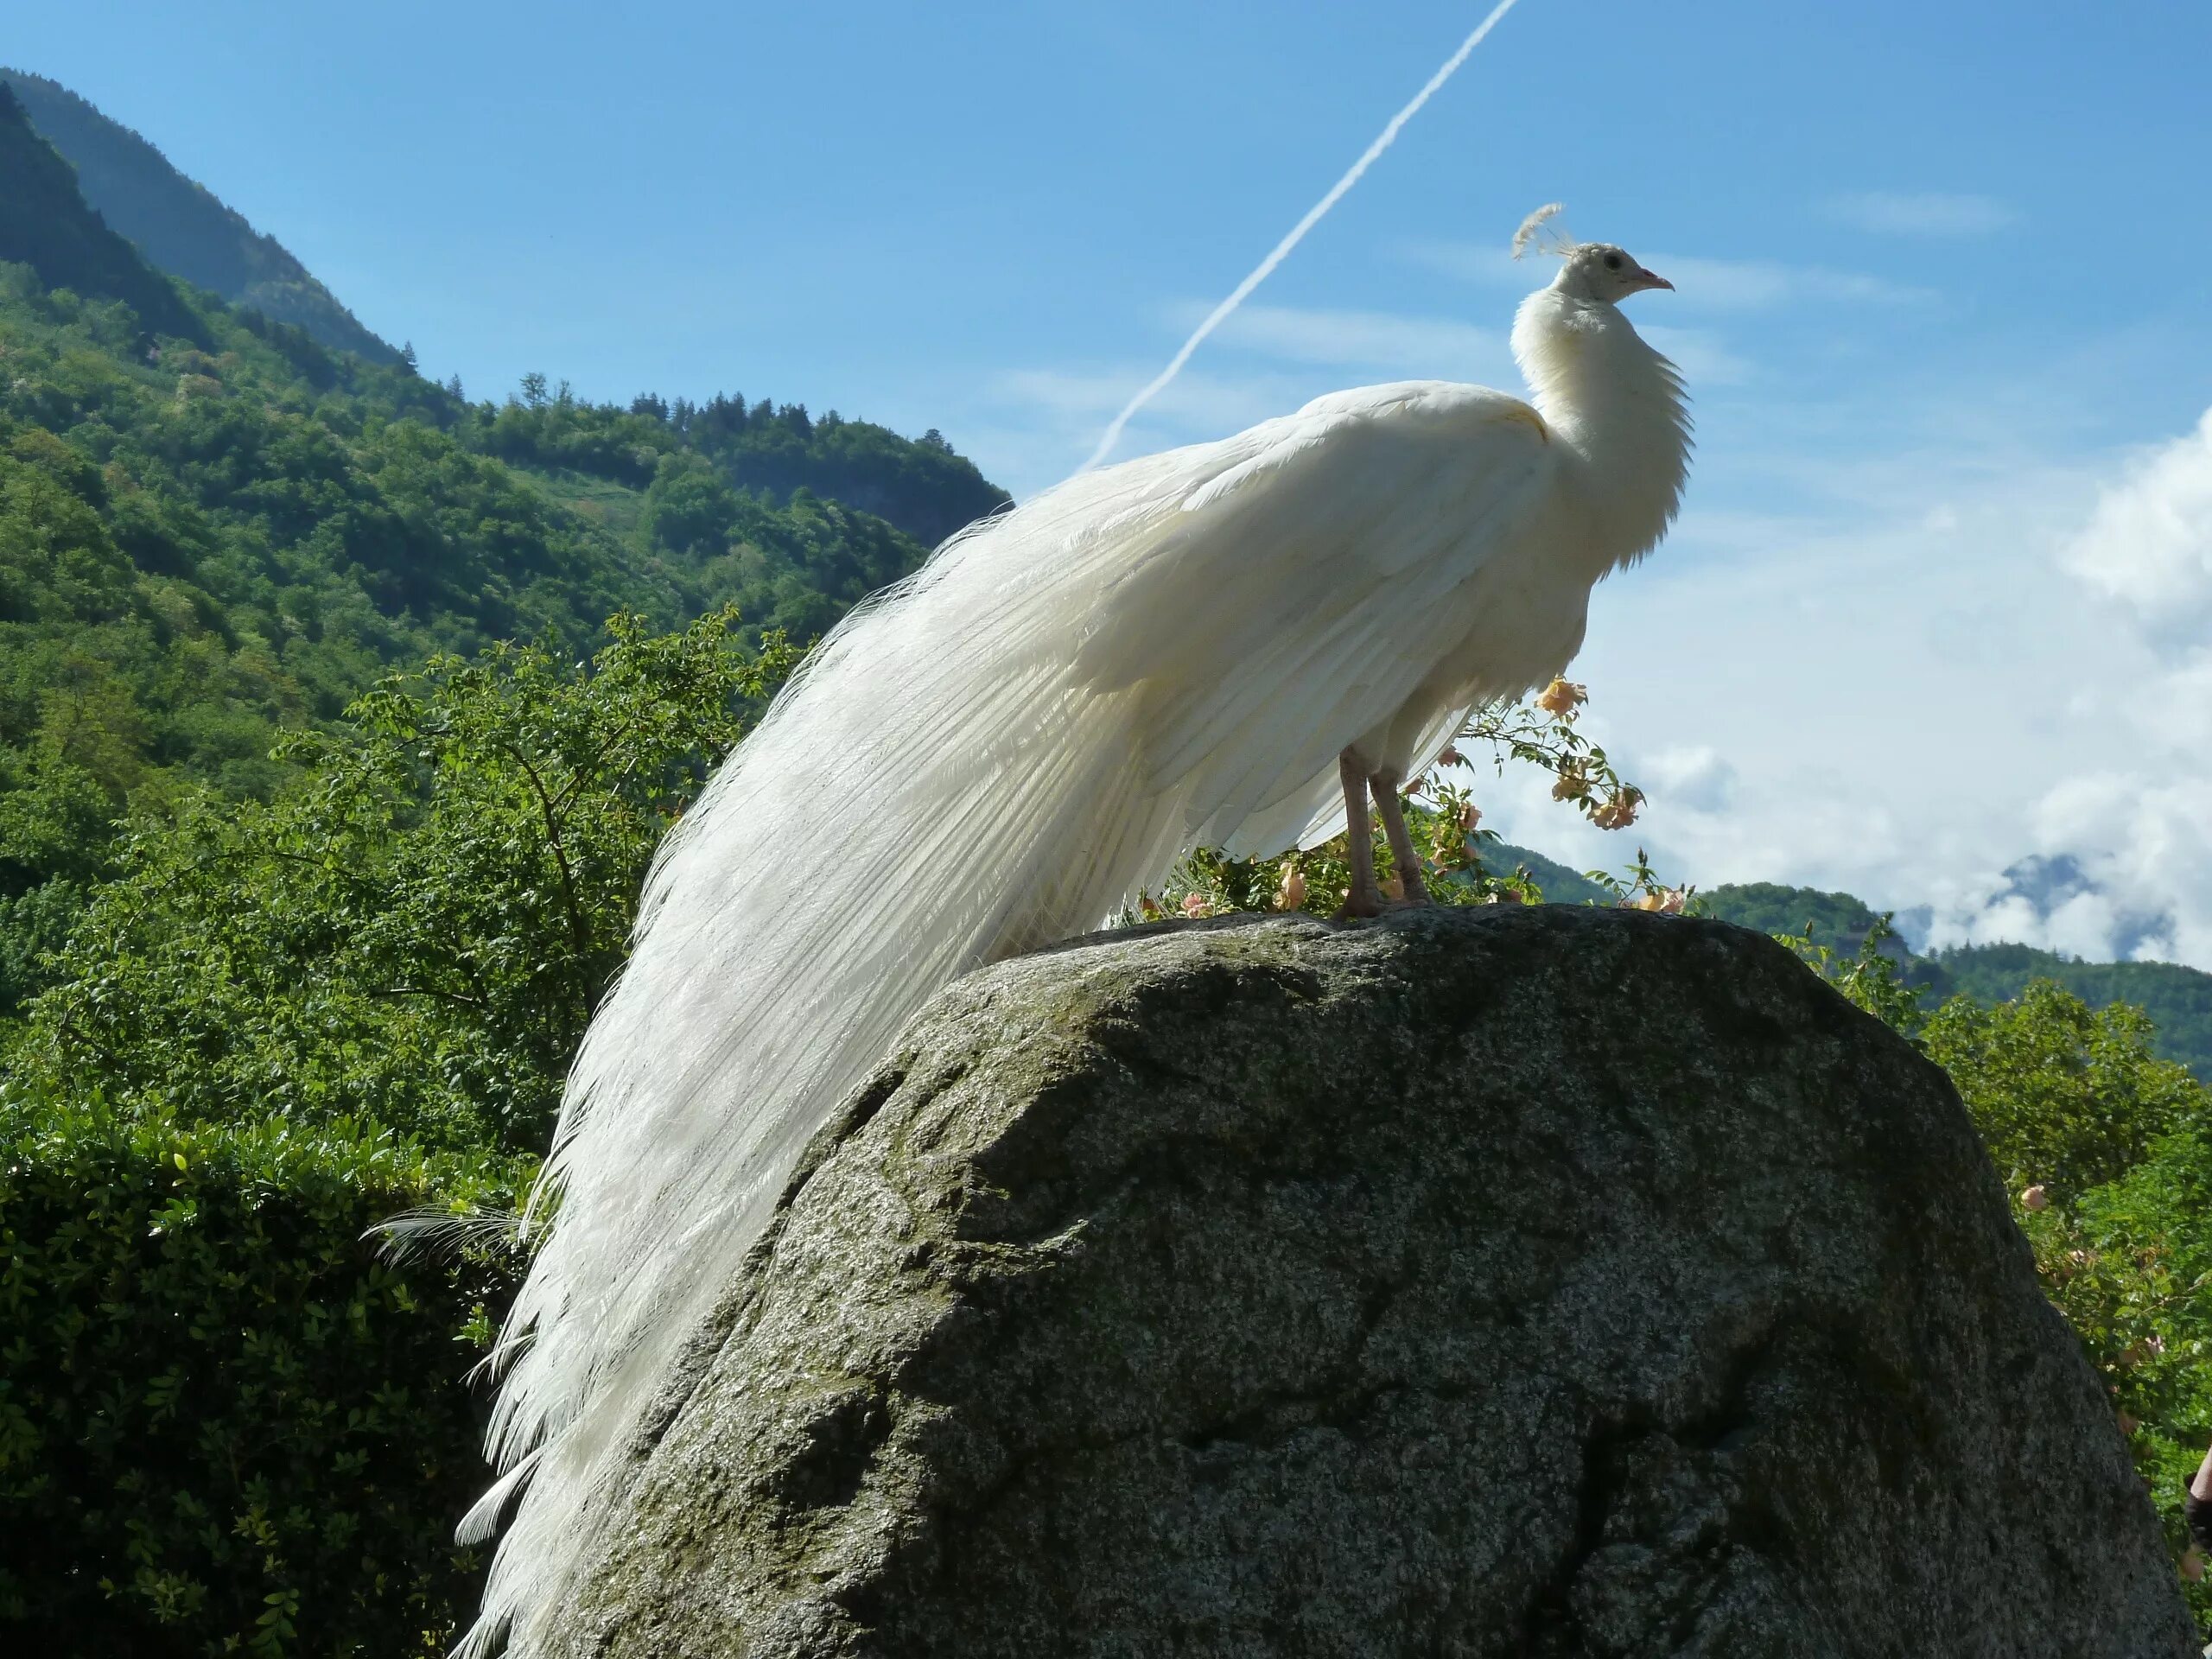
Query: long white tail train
[[996, 754]]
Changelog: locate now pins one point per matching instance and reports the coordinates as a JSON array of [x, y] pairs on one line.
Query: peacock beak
[[1652, 279]]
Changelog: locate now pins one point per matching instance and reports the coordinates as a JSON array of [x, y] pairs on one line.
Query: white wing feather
[[993, 754]]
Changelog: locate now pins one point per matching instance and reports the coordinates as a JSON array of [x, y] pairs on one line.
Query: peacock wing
[[1294, 599]]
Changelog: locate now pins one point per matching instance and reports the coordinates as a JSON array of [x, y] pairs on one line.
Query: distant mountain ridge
[[45, 224], [179, 226], [2177, 998]]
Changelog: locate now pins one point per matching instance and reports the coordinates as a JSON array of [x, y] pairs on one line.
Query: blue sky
[[1941, 597]]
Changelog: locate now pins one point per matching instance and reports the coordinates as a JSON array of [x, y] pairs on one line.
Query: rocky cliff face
[[1475, 1283]]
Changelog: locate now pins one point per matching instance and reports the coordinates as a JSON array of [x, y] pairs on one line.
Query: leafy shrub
[[2068, 1097], [225, 1425], [416, 932]]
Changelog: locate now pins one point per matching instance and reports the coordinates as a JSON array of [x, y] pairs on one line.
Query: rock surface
[[1519, 1282]]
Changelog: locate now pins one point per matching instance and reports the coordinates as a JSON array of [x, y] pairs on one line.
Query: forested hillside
[[212, 530], [2178, 999], [179, 225], [43, 223]]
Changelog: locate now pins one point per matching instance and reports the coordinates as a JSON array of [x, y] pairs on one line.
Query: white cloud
[[2150, 541], [1922, 212], [1694, 774], [1894, 689], [2138, 847]]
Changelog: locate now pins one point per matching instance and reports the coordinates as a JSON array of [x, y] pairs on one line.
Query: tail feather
[[954, 775], [931, 793]]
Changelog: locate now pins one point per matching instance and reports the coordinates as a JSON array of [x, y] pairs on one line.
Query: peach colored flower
[[1291, 895], [1450, 757], [2035, 1198], [1619, 812], [1470, 816], [1194, 904], [1561, 698]]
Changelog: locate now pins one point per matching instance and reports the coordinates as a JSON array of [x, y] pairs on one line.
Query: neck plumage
[[1619, 409]]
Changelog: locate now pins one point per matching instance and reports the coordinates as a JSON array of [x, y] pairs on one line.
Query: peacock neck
[[1618, 409]]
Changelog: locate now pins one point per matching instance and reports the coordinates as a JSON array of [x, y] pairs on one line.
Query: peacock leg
[[1365, 899], [1392, 811]]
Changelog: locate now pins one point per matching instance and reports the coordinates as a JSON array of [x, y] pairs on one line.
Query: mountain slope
[[179, 225], [2177, 998], [44, 224], [213, 530]]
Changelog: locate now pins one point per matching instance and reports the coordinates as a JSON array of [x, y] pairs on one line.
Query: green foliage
[[1870, 977], [2069, 1097], [1803, 913], [2109, 1152], [415, 933], [200, 549], [224, 1425], [2178, 999], [724, 453]]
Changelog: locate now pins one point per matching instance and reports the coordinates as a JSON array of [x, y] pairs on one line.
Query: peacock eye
[[1613, 262]]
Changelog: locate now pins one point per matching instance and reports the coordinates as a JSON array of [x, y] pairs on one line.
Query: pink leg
[[1392, 811], [1365, 899]]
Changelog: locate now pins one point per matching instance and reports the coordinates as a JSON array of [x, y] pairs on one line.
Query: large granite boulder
[[1511, 1282]]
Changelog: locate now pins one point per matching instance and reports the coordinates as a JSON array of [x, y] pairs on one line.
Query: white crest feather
[[1542, 231]]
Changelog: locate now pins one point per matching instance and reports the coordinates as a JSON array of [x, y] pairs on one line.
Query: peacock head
[[1588, 270], [1599, 270]]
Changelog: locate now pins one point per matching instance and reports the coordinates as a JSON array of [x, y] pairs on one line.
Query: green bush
[[2069, 1097], [415, 932], [225, 1425]]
